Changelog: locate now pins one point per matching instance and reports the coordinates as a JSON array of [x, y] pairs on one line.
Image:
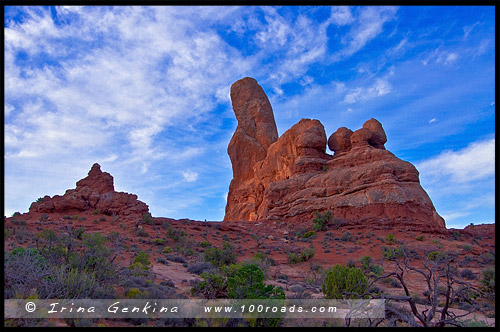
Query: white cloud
[[450, 58], [379, 88], [432, 120], [368, 26], [474, 162], [468, 29], [7, 109], [454, 215], [190, 176], [341, 15]]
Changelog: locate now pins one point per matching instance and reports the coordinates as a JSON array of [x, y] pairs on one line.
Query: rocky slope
[[291, 177]]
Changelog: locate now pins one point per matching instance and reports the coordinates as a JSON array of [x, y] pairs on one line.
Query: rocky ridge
[[291, 177], [95, 192]]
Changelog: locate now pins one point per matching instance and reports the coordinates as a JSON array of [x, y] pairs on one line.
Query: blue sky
[[144, 91]]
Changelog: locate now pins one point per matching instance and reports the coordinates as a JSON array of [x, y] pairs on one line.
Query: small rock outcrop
[[96, 191], [291, 177]]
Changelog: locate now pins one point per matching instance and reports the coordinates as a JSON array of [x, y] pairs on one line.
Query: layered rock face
[[290, 177], [96, 191]]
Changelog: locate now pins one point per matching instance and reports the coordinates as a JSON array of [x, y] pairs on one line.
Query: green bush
[[205, 244], [488, 280], [390, 239], [213, 286], [176, 234], [148, 219], [436, 256], [367, 266], [392, 253], [467, 247], [307, 254], [341, 279], [321, 222], [142, 258], [220, 257], [247, 282], [167, 250], [309, 234], [420, 238], [133, 293], [159, 242], [303, 256]]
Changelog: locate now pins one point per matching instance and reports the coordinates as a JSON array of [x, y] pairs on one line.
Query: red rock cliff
[[290, 177]]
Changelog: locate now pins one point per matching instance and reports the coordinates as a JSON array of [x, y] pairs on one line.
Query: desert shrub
[[161, 260], [420, 238], [488, 258], [488, 281], [321, 222], [351, 262], [467, 247], [341, 279], [309, 234], [142, 258], [71, 283], [307, 254], [367, 266], [246, 281], [142, 232], [394, 283], [468, 274], [23, 269], [205, 244], [220, 257], [148, 219], [437, 255], [263, 261], [133, 293], [16, 214], [346, 237], [22, 234], [392, 253], [200, 267], [175, 234], [159, 242], [96, 211], [95, 257], [390, 239], [175, 258], [167, 250], [213, 286], [185, 251], [294, 258]]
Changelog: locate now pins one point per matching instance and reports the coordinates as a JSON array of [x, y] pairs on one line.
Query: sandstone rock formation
[[96, 191], [290, 177]]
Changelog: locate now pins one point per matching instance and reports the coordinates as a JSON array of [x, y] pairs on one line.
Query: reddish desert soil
[[277, 240]]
